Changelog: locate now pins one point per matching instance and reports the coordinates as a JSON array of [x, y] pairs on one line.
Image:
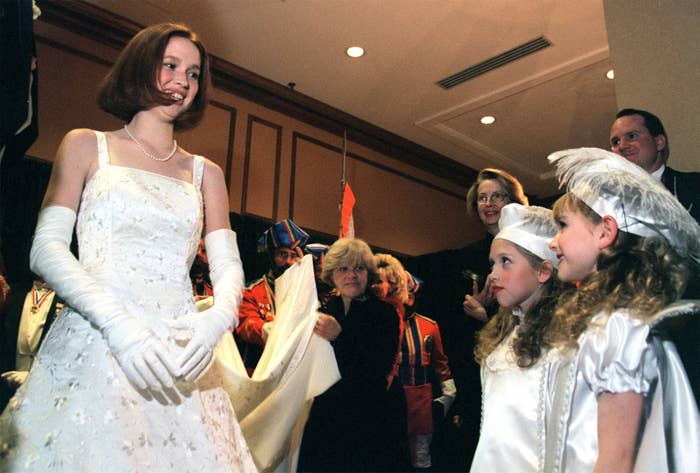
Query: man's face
[[631, 139], [283, 258]]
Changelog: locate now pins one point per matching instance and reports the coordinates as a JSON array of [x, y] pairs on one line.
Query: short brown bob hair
[[512, 186], [131, 85]]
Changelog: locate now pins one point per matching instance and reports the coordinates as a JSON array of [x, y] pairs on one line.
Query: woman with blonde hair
[[354, 426], [390, 285]]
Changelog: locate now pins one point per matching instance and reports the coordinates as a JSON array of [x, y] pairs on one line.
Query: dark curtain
[[22, 188], [16, 53]]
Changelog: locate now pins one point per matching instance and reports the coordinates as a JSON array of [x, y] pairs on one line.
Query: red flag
[[347, 225]]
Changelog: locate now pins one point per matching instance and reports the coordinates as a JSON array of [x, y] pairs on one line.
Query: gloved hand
[[209, 326], [449, 393], [145, 360]]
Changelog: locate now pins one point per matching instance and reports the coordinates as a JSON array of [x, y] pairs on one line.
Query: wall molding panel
[[261, 171]]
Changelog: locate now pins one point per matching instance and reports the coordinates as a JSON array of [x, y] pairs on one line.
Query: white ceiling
[[553, 99]]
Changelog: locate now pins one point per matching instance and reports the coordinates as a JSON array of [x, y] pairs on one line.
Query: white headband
[[529, 227], [611, 185]]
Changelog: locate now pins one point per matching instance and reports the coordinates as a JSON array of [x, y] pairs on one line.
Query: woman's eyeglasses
[[496, 197], [356, 269]]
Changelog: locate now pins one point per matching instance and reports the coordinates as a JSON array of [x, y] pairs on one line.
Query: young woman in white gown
[[517, 368], [624, 403], [125, 380]]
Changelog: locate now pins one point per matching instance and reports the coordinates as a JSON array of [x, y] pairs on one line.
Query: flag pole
[[342, 179]]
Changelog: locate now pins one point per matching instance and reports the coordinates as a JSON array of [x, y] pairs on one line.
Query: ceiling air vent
[[495, 62]]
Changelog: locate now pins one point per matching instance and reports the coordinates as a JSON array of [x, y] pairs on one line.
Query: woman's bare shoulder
[[211, 167], [79, 144]]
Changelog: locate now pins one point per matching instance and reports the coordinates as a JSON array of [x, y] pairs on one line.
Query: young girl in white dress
[[125, 380], [623, 403], [516, 366]]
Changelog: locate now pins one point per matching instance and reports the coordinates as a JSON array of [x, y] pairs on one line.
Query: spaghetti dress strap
[[198, 171], [102, 150]]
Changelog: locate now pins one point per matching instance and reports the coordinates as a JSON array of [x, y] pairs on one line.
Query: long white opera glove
[[209, 326], [145, 360], [449, 392]]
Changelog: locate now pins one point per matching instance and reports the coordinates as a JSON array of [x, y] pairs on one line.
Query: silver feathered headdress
[[611, 185], [530, 227]]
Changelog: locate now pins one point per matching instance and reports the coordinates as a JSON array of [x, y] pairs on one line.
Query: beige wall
[[654, 50], [276, 166]]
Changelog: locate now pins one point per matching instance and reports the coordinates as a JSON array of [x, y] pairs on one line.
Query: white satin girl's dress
[[515, 402], [620, 353]]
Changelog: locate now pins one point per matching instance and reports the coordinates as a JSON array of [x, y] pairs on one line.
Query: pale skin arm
[[215, 196], [75, 163], [619, 416]]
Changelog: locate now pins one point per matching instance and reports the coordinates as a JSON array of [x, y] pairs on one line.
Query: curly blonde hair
[[642, 274], [395, 275], [529, 343]]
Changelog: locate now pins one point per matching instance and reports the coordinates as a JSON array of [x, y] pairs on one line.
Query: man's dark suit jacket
[[686, 187]]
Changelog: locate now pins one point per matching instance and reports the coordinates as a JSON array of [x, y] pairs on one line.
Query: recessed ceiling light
[[355, 51], [610, 74], [487, 120]]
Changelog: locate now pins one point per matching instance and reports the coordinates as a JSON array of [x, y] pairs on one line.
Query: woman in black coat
[[359, 423]]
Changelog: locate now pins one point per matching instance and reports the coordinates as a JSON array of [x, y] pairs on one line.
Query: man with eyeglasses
[[283, 242], [640, 138]]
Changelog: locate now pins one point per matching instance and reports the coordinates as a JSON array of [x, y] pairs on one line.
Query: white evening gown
[[138, 234]]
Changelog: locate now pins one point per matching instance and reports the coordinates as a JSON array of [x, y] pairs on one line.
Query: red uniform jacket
[[421, 349], [257, 308], [423, 362]]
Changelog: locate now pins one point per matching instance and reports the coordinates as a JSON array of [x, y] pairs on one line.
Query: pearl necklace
[[143, 150]]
